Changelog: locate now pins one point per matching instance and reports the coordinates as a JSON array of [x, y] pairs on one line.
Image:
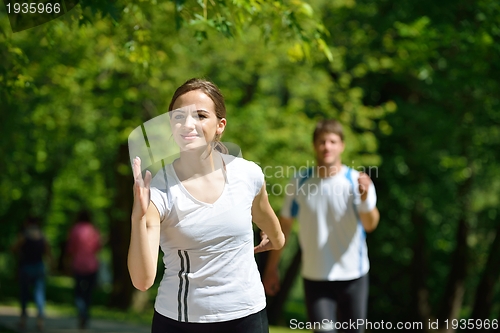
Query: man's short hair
[[328, 126]]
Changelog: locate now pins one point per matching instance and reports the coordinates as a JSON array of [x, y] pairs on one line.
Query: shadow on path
[[9, 318]]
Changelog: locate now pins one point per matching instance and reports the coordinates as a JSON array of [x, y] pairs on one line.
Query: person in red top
[[84, 243]]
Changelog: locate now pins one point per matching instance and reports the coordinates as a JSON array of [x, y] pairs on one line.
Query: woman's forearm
[[143, 252], [265, 218]]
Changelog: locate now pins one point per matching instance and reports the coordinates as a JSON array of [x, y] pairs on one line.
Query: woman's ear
[[221, 126]]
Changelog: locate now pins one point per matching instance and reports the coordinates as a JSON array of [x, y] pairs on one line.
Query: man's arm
[[16, 247], [370, 219], [368, 212]]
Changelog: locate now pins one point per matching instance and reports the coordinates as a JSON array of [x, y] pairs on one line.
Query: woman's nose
[[190, 122]]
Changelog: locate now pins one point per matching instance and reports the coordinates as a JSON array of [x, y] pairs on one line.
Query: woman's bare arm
[[145, 233], [265, 218]]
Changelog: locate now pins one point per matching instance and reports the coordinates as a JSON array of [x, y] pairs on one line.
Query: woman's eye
[[201, 116], [179, 117]]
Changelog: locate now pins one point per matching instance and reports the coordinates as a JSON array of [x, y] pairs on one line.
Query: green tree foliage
[[73, 89], [416, 85], [438, 193], [433, 256]]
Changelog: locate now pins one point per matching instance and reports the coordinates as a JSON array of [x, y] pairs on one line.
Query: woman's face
[[195, 124]]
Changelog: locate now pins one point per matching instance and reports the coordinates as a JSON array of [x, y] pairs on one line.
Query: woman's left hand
[[265, 244]]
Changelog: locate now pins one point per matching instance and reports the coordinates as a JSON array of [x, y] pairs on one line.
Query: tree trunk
[[276, 303], [419, 268], [455, 288], [485, 290], [119, 239]]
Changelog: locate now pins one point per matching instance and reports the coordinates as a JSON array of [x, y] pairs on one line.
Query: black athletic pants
[[339, 302], [254, 323]]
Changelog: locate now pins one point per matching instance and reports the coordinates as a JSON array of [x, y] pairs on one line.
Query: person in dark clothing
[[31, 246]]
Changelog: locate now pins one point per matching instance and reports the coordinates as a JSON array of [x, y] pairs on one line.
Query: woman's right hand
[[141, 191]]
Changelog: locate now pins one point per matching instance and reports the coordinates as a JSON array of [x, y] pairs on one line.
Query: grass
[[60, 303], [60, 300], [114, 315], [276, 329], [6, 330], [121, 316]]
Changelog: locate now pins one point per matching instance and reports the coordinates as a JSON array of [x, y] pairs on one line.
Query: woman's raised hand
[[141, 190]]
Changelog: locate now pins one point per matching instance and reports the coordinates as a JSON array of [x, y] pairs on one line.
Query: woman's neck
[[192, 164]]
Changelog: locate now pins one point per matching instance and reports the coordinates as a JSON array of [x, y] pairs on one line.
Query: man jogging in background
[[335, 206]]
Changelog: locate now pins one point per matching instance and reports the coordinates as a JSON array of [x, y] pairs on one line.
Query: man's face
[[328, 148]]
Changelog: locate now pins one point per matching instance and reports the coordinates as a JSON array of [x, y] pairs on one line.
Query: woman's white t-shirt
[[210, 270]]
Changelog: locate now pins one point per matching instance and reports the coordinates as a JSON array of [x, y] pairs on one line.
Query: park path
[[9, 318]]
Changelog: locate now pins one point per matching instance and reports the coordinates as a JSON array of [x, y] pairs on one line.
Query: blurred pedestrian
[[31, 246], [84, 242], [335, 207]]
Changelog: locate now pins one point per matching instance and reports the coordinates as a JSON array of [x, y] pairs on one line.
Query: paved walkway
[[9, 318]]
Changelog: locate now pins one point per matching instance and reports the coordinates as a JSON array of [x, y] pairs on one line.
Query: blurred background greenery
[[416, 85]]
